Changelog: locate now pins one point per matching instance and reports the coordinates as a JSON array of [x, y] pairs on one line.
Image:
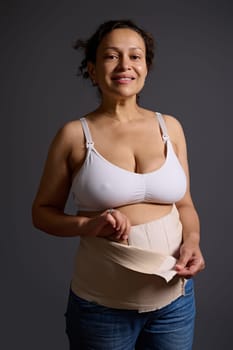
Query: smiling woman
[[120, 67], [127, 168]]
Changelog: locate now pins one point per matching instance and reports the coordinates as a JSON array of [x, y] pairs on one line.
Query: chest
[[137, 148]]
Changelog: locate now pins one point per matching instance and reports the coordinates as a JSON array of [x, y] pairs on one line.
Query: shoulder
[[68, 135], [176, 133], [70, 131], [174, 127], [172, 122]]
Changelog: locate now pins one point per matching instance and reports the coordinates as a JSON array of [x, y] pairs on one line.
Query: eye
[[111, 56], [135, 57]]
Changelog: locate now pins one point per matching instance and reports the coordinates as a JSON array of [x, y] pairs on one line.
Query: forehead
[[122, 38]]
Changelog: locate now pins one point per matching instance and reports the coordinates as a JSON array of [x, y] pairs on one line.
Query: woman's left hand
[[190, 261]]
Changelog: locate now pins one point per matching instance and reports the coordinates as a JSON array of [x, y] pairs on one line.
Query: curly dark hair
[[90, 45]]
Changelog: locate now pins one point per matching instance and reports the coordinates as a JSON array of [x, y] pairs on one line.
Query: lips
[[123, 78]]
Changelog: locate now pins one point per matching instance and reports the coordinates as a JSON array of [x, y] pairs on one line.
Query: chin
[[123, 93]]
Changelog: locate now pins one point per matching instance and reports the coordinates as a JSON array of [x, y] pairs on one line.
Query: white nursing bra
[[100, 184]]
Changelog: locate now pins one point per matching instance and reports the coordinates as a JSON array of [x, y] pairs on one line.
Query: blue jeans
[[94, 327]]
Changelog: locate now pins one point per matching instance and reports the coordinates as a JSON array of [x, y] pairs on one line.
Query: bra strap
[[87, 134], [163, 126]]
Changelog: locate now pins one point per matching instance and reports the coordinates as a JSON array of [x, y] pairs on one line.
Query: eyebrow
[[117, 48]]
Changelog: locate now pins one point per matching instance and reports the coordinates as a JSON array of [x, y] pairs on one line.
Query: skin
[[127, 136]]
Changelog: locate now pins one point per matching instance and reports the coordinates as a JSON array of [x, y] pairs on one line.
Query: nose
[[124, 63]]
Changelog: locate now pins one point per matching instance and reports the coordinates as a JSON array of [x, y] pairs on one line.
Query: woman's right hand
[[111, 224]]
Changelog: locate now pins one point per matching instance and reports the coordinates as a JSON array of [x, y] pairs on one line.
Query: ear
[[91, 71]]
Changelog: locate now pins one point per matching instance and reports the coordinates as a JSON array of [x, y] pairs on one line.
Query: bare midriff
[[138, 213]]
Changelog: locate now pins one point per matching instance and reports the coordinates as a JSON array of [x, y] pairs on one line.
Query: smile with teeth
[[123, 79]]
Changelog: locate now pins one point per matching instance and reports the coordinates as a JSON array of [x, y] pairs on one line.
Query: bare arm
[[48, 206], [191, 260]]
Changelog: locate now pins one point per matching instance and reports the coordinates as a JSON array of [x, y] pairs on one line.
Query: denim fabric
[[90, 326]]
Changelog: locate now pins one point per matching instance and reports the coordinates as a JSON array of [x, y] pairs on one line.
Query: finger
[[121, 230], [183, 260], [111, 220], [196, 266], [103, 229], [192, 269], [108, 215], [125, 228], [125, 235], [119, 219], [122, 224]]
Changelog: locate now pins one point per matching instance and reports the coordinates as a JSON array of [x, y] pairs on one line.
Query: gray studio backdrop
[[192, 80]]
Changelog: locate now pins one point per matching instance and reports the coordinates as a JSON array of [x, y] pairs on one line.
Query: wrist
[[81, 223], [193, 237]]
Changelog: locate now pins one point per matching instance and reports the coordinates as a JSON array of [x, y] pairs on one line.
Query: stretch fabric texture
[[100, 184], [139, 276]]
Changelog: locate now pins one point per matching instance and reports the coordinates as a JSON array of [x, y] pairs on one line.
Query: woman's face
[[120, 69]]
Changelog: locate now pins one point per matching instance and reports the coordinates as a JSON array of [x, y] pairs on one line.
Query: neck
[[122, 110]]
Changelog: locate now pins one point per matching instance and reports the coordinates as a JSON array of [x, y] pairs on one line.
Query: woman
[[139, 231]]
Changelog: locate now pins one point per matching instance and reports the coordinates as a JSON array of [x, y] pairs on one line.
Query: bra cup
[[101, 184]]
